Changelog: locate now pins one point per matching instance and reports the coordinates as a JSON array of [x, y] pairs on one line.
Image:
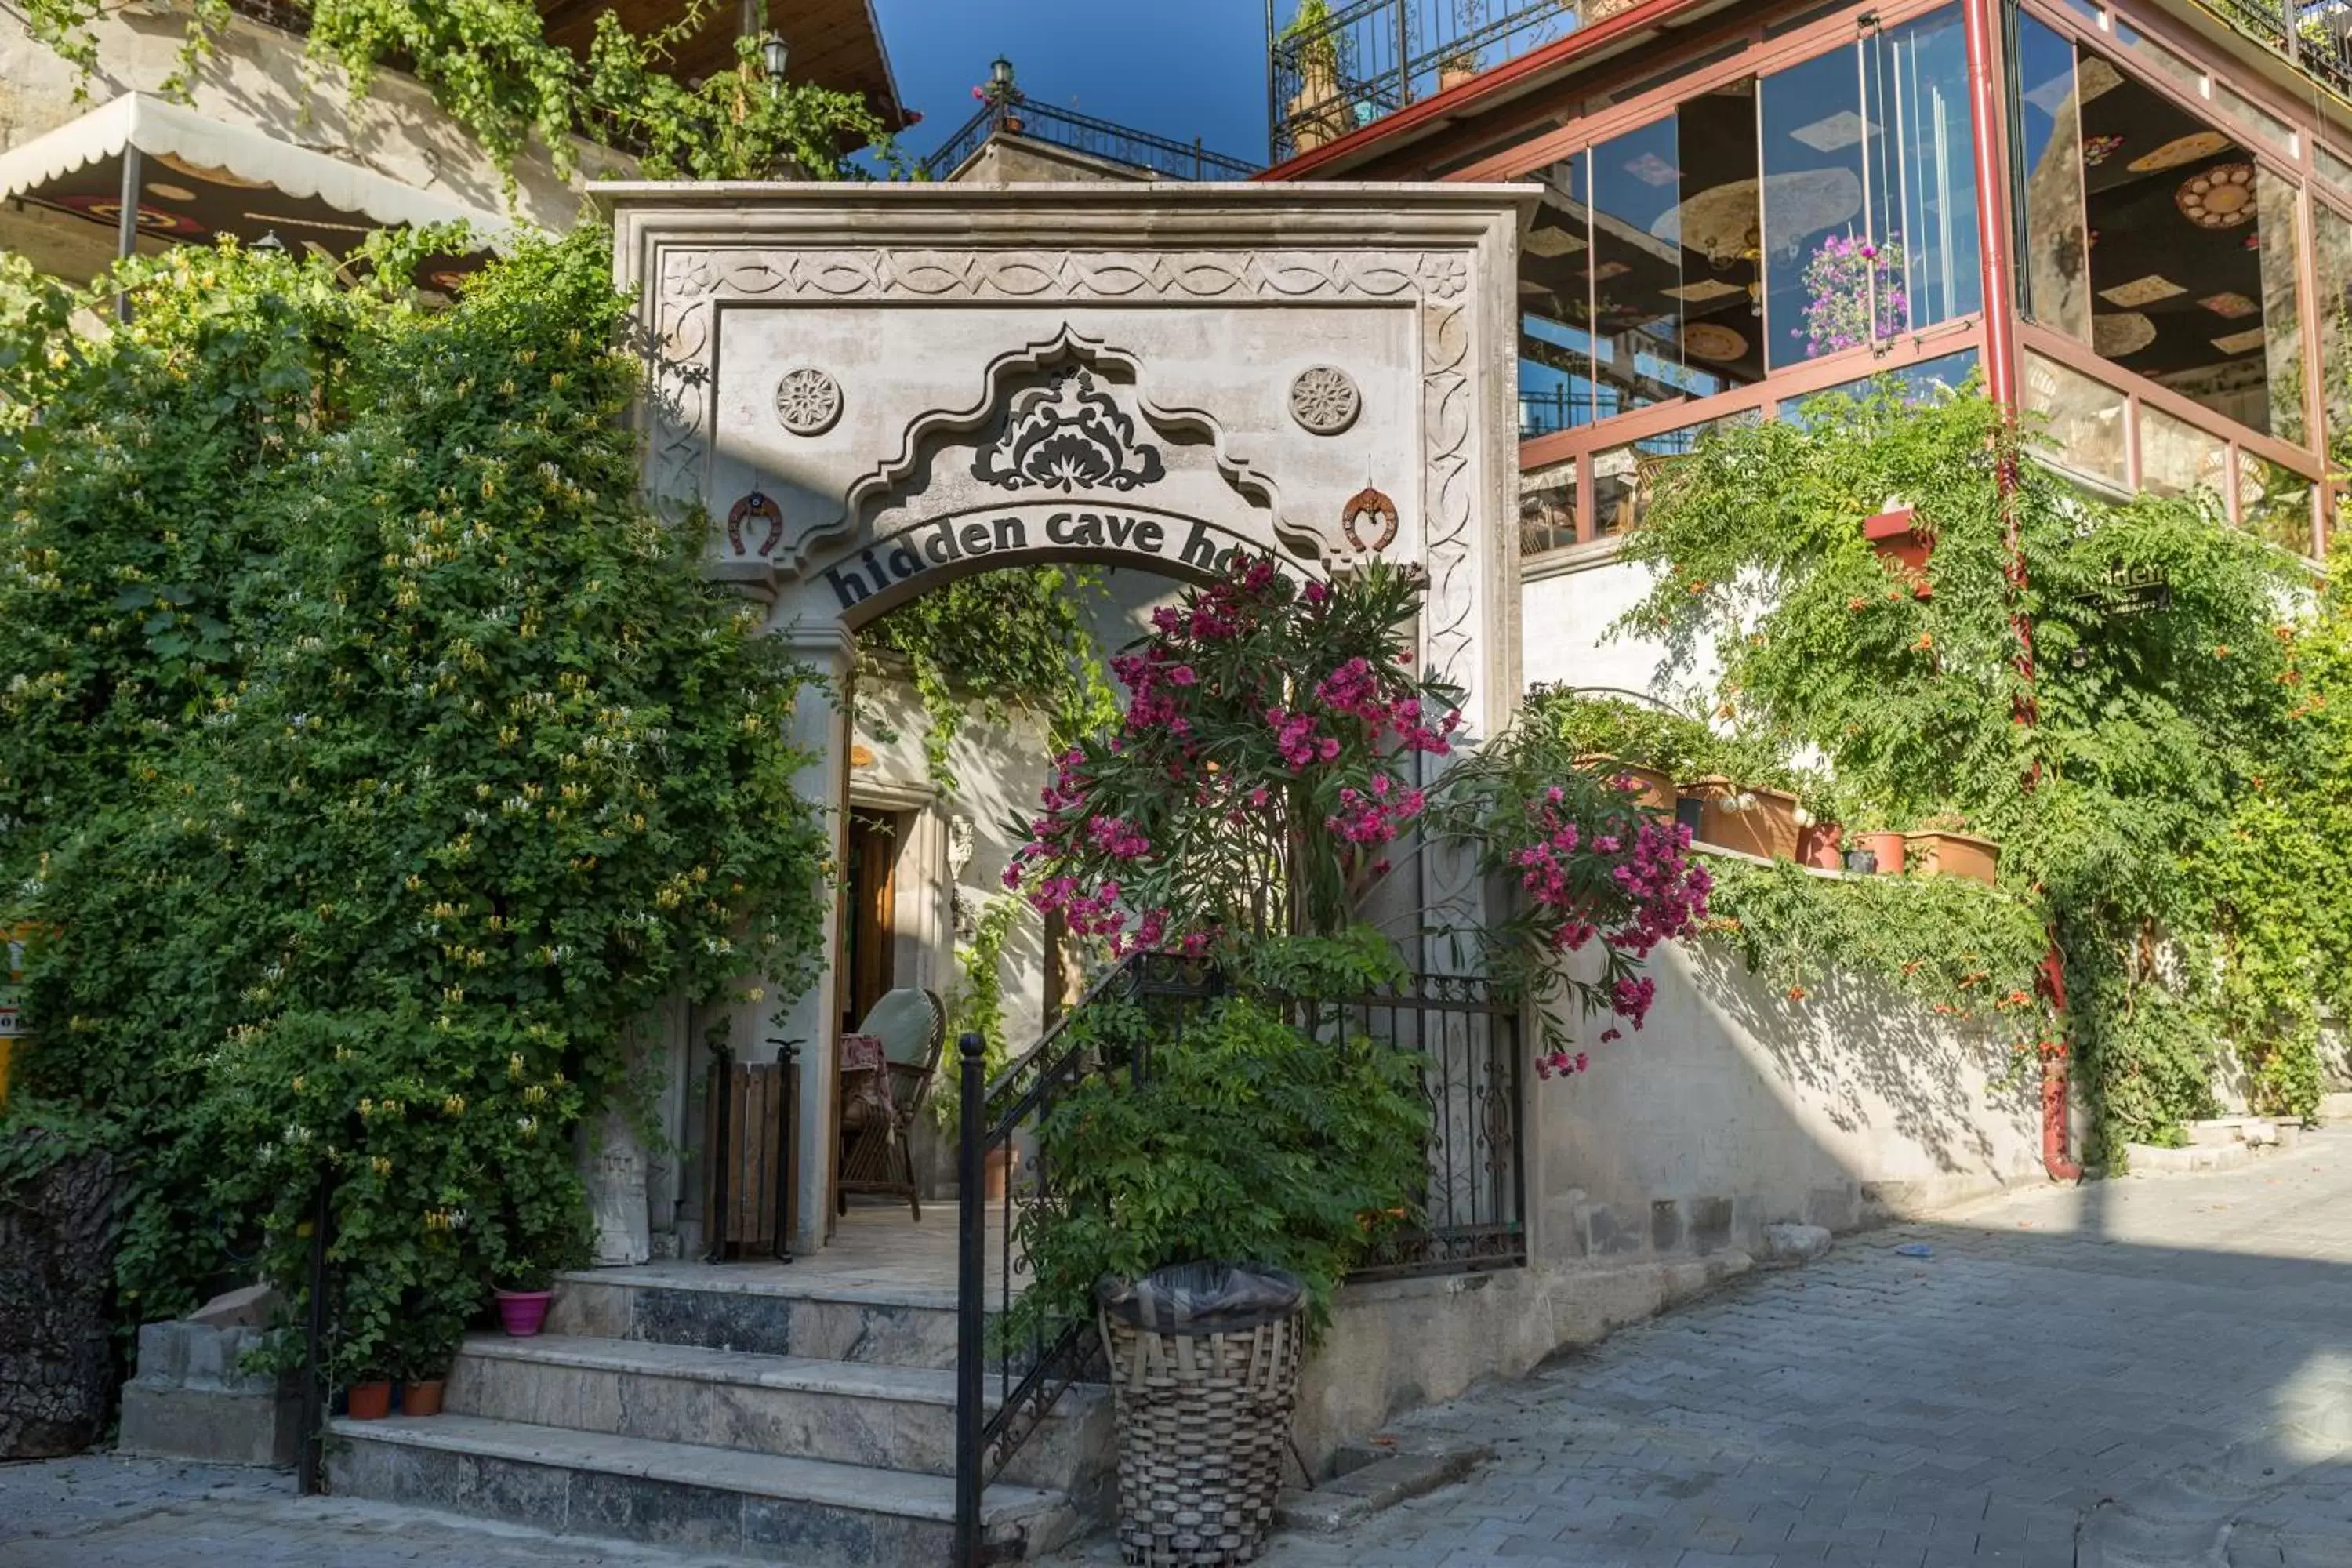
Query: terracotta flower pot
[[523, 1311], [1896, 539], [1954, 855], [1822, 845], [1657, 787], [421, 1398], [1751, 819], [371, 1401], [1887, 847], [1451, 74]]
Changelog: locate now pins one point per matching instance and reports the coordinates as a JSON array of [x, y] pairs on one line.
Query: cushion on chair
[[903, 1021]]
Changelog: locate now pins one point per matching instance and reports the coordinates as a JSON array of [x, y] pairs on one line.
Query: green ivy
[[2122, 808], [1014, 638], [371, 764], [976, 1006]]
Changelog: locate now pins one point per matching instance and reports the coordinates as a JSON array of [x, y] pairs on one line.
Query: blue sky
[[1193, 67]]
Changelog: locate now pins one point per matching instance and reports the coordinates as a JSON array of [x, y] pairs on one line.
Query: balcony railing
[[1368, 58], [1083, 133], [2315, 36]]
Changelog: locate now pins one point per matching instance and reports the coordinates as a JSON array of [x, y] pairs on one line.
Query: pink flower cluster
[[1656, 894], [1375, 815]]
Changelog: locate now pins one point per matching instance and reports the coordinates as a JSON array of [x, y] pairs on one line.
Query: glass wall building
[[2134, 219]]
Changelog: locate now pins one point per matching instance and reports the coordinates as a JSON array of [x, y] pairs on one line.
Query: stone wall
[[1735, 1107]]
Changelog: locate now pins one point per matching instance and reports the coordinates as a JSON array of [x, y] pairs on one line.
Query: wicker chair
[[877, 1151]]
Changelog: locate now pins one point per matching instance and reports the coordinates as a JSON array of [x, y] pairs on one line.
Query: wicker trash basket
[[1203, 1400]]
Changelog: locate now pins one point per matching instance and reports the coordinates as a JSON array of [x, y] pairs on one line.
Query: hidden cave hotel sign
[[868, 391]]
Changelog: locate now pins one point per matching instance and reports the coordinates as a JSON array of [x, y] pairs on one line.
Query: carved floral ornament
[[808, 401], [1324, 399], [1068, 435], [694, 281]]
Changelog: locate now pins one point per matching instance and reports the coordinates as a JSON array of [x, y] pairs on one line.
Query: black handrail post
[[309, 1478], [788, 1131], [715, 1154], [972, 1318]]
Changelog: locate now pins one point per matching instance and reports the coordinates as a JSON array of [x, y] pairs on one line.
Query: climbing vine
[[1014, 638], [2168, 699], [490, 67], [371, 765]]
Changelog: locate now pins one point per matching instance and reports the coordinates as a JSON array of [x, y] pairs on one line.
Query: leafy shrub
[[1249, 1140], [371, 764]]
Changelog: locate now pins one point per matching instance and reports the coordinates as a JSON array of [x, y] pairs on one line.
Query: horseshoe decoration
[[756, 508], [1368, 504]]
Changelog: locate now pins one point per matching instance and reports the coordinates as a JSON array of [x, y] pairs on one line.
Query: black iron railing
[[1471, 1198], [1085, 133], [1369, 58], [2315, 35]]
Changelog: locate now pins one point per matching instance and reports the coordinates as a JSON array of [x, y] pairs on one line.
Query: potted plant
[[369, 1397], [1820, 845], [523, 1302], [421, 1395], [1753, 819], [1902, 541], [1456, 66], [1654, 787], [1255, 1143], [1940, 849], [1314, 114]]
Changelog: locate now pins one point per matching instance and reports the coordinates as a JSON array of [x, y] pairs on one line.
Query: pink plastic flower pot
[[523, 1311]]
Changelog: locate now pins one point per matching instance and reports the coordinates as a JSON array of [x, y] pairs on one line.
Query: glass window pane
[[2176, 459], [2082, 419], [2056, 280], [2332, 171], [1923, 169], [2192, 264], [2274, 503], [1626, 478], [1929, 378], [2253, 117], [2146, 51], [1556, 305], [1547, 509], [1674, 253], [2332, 248], [1822, 278]]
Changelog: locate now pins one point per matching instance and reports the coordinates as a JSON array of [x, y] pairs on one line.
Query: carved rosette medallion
[[1324, 399], [1068, 435], [808, 401]]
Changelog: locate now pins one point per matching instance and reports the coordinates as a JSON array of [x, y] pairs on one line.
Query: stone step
[[766, 1310], [679, 1494], [895, 1418]]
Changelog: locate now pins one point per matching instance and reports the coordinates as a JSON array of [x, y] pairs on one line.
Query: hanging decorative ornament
[[1368, 505], [2179, 150], [2097, 149], [2221, 197], [755, 508]]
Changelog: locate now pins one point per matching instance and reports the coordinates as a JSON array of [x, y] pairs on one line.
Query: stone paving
[[2140, 1373], [2136, 1372]]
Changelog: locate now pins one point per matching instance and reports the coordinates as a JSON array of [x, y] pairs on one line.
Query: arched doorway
[[872, 390]]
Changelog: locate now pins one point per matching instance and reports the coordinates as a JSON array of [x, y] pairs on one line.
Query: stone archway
[[870, 390]]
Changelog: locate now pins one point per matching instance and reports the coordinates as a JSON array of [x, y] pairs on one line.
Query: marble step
[[678, 1494], [894, 1417], [763, 1309]]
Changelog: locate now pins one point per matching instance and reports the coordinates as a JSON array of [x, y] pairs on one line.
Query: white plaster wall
[[1566, 609], [261, 77], [1733, 1108]]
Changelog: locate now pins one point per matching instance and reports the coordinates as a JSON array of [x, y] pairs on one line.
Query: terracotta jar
[[1953, 854], [1887, 847], [1657, 791], [1751, 819], [422, 1398], [1822, 845], [371, 1401]]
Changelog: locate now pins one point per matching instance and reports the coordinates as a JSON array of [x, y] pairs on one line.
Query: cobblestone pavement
[[2142, 1374], [2138, 1373]]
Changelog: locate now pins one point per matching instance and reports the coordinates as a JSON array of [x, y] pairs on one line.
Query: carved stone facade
[[1022, 378]]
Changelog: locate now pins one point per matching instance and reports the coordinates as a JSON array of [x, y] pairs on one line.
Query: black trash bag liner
[[1202, 1297]]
